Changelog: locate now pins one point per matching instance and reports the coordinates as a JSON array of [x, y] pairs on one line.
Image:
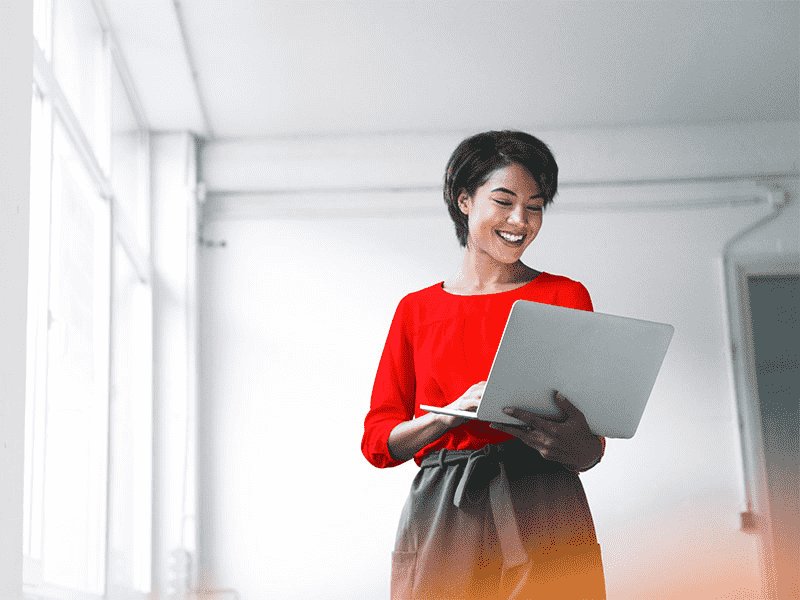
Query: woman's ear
[[463, 202]]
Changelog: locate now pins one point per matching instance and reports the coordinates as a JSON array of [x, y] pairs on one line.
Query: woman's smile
[[511, 238]]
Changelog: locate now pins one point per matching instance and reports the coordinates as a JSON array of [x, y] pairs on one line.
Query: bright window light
[[81, 65], [74, 499]]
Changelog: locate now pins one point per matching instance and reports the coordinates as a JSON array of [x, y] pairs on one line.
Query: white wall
[[15, 132], [295, 308]]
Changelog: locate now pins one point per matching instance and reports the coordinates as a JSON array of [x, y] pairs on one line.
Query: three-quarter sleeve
[[393, 392]]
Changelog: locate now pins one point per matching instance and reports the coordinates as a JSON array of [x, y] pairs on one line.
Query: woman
[[495, 511]]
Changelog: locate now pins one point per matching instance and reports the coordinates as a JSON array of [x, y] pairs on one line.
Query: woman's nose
[[518, 215]]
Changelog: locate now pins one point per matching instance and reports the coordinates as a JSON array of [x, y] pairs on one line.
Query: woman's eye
[[535, 208], [502, 202]]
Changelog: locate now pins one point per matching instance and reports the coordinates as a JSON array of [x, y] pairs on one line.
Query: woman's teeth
[[510, 237]]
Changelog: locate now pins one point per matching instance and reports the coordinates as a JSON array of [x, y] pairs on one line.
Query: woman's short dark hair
[[477, 157]]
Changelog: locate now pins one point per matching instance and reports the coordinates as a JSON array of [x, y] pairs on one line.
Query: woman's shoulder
[[421, 297], [561, 290], [424, 305], [559, 281]]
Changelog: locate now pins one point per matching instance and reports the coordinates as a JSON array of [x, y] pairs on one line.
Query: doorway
[[774, 302]]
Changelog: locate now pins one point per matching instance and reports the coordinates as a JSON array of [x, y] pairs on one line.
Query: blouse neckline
[[440, 286]]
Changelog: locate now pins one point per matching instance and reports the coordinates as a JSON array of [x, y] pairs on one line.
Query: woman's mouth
[[513, 239]]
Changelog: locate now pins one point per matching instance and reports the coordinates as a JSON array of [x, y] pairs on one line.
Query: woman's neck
[[477, 274]]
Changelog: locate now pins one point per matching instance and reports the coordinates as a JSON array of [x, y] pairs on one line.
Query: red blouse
[[440, 344]]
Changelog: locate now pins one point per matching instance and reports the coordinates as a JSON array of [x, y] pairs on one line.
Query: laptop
[[606, 365]]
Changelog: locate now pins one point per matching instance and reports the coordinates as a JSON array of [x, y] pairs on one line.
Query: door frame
[[757, 517]]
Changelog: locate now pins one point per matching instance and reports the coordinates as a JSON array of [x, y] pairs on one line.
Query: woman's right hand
[[469, 400], [409, 437]]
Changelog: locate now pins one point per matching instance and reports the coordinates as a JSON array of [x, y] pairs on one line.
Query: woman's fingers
[[478, 387], [568, 411], [469, 400], [535, 438], [568, 408], [471, 397], [469, 404], [531, 419]]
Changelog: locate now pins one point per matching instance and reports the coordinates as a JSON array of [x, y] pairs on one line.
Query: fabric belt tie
[[484, 470]]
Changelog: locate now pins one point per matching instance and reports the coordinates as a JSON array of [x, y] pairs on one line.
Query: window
[[73, 516], [81, 65], [66, 426], [88, 455]]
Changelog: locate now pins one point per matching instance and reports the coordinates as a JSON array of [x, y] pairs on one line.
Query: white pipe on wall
[[586, 157]]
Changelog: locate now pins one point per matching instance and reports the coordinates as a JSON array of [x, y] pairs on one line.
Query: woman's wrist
[[589, 462], [409, 437]]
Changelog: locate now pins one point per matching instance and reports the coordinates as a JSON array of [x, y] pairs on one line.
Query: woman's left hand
[[567, 439]]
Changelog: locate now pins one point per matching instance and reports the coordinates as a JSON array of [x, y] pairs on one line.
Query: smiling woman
[[495, 511]]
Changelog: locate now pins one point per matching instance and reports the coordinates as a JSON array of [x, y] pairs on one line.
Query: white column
[[16, 58], [174, 247]]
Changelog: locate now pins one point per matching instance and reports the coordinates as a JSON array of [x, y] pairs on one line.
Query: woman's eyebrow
[[504, 190], [507, 191]]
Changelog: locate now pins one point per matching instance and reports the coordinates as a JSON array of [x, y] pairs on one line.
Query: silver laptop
[[606, 365]]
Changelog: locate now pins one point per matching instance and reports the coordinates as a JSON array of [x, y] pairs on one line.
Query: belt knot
[[484, 473]]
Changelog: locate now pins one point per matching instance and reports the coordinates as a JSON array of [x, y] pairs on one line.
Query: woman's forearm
[[409, 437]]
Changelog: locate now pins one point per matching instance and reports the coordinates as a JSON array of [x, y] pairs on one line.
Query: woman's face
[[504, 215]]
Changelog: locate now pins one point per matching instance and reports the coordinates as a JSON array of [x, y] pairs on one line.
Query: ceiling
[[294, 68]]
